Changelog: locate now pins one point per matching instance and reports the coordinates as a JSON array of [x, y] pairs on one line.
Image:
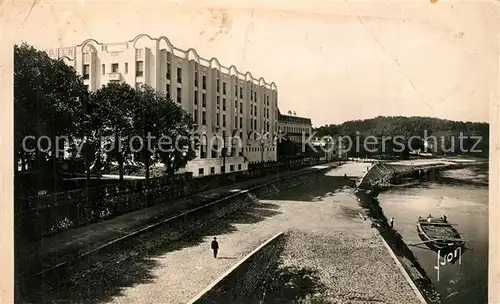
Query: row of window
[[294, 129], [201, 171], [293, 119], [259, 149], [115, 68], [253, 109]]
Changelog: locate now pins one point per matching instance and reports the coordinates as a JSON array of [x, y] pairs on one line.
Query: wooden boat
[[438, 234]]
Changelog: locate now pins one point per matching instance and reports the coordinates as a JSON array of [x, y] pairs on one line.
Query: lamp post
[[224, 152], [86, 126], [262, 151]]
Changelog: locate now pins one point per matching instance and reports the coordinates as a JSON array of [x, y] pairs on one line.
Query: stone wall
[[241, 281]]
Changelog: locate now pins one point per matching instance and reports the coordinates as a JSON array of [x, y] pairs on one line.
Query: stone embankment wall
[[239, 283], [386, 175]]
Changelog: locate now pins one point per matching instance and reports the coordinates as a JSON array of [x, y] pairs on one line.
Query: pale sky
[[332, 61]]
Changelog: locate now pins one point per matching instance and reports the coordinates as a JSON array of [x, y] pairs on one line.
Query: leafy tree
[[112, 109], [48, 100], [170, 127]]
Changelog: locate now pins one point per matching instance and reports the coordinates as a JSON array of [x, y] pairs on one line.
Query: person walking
[[215, 247], [392, 222]]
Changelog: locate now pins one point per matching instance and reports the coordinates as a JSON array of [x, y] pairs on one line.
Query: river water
[[462, 195]]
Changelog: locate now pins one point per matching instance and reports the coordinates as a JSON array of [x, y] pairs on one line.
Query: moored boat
[[438, 233]]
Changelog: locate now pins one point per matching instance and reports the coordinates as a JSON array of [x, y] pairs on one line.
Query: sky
[[331, 61]]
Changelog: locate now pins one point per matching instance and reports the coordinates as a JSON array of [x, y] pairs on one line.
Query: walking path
[[61, 248], [365, 268]]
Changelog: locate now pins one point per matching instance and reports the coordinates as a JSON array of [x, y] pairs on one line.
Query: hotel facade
[[224, 102], [296, 129]]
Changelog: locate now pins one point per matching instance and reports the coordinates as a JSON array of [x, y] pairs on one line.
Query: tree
[[48, 99], [446, 131], [171, 129], [112, 109]]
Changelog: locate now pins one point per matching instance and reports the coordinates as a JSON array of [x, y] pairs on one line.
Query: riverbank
[[462, 195], [403, 253], [399, 175]]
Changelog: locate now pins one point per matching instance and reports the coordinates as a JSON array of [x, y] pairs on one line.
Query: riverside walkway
[[354, 265]]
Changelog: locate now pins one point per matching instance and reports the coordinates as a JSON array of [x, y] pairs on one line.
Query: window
[[241, 122], [236, 91], [139, 68], [195, 97], [255, 124], [86, 71], [223, 103], [255, 96], [215, 151], [251, 111], [168, 71], [255, 110], [204, 99], [241, 108], [204, 118], [218, 85], [204, 82], [236, 121], [103, 69], [212, 170], [126, 67], [224, 88], [239, 166], [223, 121], [222, 169], [217, 117], [114, 68], [218, 102], [200, 171], [179, 95], [241, 92], [231, 168], [168, 91], [179, 75], [251, 95], [195, 118], [196, 79], [203, 151]]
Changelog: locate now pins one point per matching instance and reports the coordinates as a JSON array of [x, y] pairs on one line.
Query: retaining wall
[[239, 283], [177, 227]]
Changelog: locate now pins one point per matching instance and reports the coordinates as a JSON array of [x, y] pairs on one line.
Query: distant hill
[[445, 132]]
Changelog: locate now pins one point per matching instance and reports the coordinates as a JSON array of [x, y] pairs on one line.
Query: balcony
[[114, 76]]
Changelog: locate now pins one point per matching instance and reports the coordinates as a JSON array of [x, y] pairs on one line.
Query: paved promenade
[[320, 210]]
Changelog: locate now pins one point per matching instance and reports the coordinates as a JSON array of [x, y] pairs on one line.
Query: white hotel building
[[222, 101]]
